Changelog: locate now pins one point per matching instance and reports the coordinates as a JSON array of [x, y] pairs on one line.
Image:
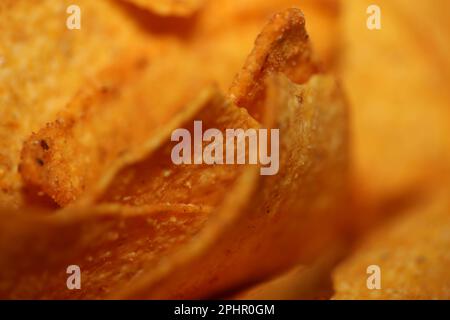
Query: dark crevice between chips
[[169, 8], [150, 22]]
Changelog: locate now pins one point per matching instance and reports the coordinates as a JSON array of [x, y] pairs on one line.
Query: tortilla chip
[[108, 123], [313, 155], [111, 245], [219, 227], [283, 223], [396, 79], [124, 242], [170, 7], [412, 253], [236, 237], [43, 64], [67, 180]]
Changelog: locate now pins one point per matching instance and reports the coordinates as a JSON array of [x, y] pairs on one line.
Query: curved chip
[[108, 123], [156, 179], [411, 252], [123, 243], [220, 227], [313, 125], [283, 221], [43, 64], [111, 246], [239, 235]]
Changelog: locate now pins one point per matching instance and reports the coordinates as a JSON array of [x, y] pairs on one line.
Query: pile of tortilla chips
[[87, 177]]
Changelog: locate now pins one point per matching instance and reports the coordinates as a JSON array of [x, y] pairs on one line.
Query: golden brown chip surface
[[43, 64], [234, 247], [226, 30], [107, 123], [282, 46], [156, 179], [111, 245], [114, 244], [143, 227]]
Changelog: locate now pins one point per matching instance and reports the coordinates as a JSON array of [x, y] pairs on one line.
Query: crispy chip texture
[[256, 226], [121, 251], [91, 114], [97, 124], [111, 245], [116, 244], [282, 46], [233, 248], [156, 179], [316, 113], [43, 64], [412, 252], [322, 20], [224, 32], [49, 161]]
